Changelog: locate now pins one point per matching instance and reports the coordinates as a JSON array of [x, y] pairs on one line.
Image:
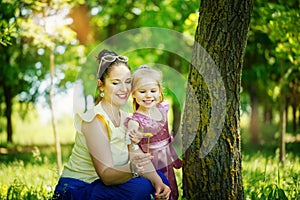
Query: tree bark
[[8, 113], [212, 163]]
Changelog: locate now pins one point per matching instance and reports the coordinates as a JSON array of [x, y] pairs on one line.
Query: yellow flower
[[149, 135]]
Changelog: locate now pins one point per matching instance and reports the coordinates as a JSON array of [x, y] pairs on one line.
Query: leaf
[[281, 194]]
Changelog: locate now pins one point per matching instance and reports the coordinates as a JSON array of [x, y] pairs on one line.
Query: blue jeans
[[134, 189]]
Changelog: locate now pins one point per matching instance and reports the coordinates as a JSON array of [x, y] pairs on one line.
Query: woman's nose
[[123, 87]]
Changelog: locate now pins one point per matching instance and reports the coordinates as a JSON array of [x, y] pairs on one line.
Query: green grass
[[264, 176], [28, 170]]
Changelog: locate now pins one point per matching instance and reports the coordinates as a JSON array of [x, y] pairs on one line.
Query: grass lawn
[[28, 169]]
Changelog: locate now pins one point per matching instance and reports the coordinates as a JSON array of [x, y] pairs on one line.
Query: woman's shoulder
[[87, 116]]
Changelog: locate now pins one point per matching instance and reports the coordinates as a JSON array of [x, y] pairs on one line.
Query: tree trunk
[[268, 114], [282, 115], [294, 110], [254, 122], [81, 23], [8, 113], [212, 160], [53, 120], [299, 116]]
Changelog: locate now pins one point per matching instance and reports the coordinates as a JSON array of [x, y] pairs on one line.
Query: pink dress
[[165, 157]]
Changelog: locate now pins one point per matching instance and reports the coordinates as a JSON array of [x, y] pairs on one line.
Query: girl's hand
[[135, 136], [139, 161], [162, 192]]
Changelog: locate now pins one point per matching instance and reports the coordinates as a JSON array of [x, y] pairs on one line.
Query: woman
[[101, 166]]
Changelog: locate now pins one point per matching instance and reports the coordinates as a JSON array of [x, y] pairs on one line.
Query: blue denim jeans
[[134, 189]]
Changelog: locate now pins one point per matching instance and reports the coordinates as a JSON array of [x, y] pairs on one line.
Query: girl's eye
[[153, 91], [142, 91], [115, 83], [128, 82]]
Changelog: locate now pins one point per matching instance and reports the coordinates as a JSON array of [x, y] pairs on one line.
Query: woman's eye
[[128, 82], [115, 83]]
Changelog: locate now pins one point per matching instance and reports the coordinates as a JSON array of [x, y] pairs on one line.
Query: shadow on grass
[[38, 154]]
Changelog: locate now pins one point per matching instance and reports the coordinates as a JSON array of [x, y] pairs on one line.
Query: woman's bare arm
[[141, 164], [98, 145]]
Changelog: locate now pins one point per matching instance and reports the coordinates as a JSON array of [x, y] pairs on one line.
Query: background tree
[[222, 32], [25, 56], [285, 35], [19, 74], [42, 34], [272, 54]]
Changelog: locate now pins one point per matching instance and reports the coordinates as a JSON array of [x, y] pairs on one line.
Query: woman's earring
[[102, 94]]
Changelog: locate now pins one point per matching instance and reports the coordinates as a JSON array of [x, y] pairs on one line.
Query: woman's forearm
[[113, 175], [148, 169]]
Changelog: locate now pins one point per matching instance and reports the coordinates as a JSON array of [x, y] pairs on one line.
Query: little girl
[[150, 117]]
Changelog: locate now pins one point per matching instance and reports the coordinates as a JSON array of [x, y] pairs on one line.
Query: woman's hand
[[141, 163]]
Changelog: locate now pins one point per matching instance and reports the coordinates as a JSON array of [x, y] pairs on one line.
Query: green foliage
[[264, 178], [8, 30], [31, 173], [270, 192], [273, 42], [36, 180], [38, 30], [108, 20], [18, 190]]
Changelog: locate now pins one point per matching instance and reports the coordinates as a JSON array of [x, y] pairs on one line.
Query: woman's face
[[117, 86]]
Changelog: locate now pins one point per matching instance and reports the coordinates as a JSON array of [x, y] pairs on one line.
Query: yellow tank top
[[80, 165]]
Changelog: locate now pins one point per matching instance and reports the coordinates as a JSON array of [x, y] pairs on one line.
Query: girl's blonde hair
[[138, 76]]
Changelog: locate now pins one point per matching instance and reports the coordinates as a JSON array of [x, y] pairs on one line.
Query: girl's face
[[147, 93], [117, 86]]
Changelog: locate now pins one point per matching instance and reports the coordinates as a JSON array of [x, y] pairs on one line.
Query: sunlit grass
[[32, 130], [264, 177], [27, 181], [261, 173], [32, 174], [29, 174]]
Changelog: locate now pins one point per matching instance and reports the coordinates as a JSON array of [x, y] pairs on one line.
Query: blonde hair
[[138, 76]]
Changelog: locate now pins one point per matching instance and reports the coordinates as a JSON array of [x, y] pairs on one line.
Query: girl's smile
[[147, 94]]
